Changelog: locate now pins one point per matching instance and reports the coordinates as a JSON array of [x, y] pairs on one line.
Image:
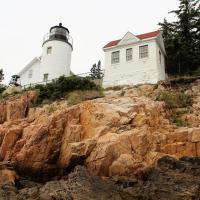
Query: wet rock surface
[[170, 179]]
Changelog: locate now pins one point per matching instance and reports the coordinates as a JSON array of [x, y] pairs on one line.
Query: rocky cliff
[[126, 132]]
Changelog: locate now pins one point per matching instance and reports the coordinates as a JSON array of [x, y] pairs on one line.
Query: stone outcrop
[[169, 179], [16, 107], [124, 132]]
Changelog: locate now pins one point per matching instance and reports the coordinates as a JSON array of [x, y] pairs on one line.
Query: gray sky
[[92, 23]]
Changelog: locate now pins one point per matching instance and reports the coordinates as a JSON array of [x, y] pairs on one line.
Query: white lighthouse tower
[[55, 60], [56, 53]]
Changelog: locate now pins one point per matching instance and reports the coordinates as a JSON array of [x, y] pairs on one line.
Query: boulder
[[12, 90]]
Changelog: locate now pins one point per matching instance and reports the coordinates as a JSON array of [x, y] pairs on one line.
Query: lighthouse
[[56, 53], [55, 60]]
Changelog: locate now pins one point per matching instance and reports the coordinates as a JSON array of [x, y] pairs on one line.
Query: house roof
[[36, 59], [141, 37]]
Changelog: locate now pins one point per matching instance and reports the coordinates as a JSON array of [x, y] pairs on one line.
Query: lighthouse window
[[49, 50], [45, 77], [30, 73]]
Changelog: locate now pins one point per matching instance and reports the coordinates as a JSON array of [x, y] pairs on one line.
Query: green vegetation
[[115, 88], [181, 38], [174, 99], [96, 71], [51, 109], [176, 117], [177, 103], [2, 87], [196, 72], [59, 88], [1, 75], [78, 96], [181, 80]]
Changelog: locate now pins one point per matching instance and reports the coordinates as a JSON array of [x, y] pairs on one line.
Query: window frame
[[130, 56], [144, 51], [45, 77], [116, 59]]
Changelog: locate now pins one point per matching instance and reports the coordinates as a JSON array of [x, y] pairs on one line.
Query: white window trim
[[144, 51], [113, 62], [130, 55]]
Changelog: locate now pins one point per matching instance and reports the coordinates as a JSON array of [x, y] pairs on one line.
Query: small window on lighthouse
[[45, 77], [49, 50]]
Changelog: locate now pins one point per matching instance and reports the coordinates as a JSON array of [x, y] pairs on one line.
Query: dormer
[[128, 39]]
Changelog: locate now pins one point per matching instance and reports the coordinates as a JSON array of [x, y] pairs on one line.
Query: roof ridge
[[140, 36]]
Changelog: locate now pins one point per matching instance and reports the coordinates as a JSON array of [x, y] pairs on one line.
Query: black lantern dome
[[58, 33]]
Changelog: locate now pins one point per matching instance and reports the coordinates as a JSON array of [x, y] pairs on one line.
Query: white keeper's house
[[55, 60], [135, 59]]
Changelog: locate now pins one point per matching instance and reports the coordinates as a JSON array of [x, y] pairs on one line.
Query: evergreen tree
[[182, 37], [2, 87], [96, 71], [1, 75]]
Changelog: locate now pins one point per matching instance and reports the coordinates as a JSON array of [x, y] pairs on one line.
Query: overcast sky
[[92, 23]]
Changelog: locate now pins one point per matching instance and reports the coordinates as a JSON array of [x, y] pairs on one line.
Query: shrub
[[59, 88], [177, 103], [175, 99], [2, 88], [176, 117]]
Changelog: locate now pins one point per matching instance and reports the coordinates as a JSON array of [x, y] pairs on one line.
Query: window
[[160, 57], [129, 54], [49, 50], [45, 77], [115, 57], [30, 73], [143, 51]]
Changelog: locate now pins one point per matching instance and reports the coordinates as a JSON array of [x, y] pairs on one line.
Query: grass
[[174, 99], [177, 103], [51, 109], [78, 96], [176, 117], [115, 88]]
